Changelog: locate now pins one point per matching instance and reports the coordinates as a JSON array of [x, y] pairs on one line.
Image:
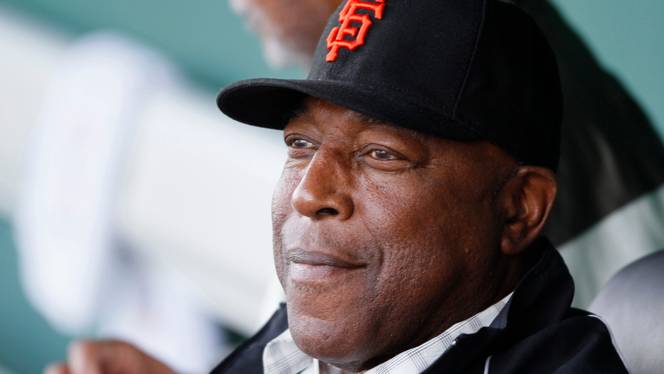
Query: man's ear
[[526, 200]]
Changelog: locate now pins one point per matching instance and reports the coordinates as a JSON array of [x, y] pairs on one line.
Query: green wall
[[204, 36], [628, 37]]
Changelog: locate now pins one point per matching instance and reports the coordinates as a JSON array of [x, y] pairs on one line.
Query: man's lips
[[313, 266], [301, 256]]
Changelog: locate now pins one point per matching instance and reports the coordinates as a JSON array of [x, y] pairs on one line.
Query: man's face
[[383, 237], [289, 29]]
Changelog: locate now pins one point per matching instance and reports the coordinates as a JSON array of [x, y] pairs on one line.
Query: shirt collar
[[282, 356]]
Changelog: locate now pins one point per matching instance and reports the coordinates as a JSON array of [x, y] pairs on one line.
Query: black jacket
[[536, 332]]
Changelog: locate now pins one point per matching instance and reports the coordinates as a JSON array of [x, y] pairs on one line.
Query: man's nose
[[323, 190]]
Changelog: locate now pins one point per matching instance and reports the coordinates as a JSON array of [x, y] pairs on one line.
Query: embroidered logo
[[348, 34]]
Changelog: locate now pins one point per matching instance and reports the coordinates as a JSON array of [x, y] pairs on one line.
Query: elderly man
[[407, 221], [421, 169]]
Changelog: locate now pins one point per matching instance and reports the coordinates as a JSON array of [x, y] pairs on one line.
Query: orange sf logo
[[349, 18]]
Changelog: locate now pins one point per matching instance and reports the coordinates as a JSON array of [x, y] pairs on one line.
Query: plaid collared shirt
[[282, 356]]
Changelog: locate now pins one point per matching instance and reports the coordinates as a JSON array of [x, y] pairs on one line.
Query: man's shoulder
[[538, 332], [578, 343]]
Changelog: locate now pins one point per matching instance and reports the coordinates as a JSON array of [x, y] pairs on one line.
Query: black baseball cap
[[466, 70]]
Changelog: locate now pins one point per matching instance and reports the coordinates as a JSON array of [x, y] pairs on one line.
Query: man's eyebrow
[[373, 121], [298, 112], [368, 119], [302, 111]]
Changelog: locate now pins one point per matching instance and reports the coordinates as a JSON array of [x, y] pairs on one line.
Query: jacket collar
[[548, 275], [542, 297]]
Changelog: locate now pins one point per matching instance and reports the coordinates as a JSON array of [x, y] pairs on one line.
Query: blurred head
[[384, 237], [289, 29]]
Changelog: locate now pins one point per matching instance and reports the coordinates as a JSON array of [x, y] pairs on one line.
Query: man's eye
[[300, 144], [383, 155], [385, 159], [300, 147]]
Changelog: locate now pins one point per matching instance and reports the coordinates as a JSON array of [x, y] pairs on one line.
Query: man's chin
[[334, 343], [321, 299], [316, 306], [332, 316]]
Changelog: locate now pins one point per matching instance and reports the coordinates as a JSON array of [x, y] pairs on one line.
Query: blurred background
[[131, 208]]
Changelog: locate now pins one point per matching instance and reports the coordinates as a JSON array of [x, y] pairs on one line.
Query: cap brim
[[270, 103]]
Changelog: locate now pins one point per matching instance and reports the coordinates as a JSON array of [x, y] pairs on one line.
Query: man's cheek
[[279, 268], [281, 210], [282, 196]]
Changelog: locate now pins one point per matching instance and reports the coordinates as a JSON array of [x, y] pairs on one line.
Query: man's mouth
[[313, 266]]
